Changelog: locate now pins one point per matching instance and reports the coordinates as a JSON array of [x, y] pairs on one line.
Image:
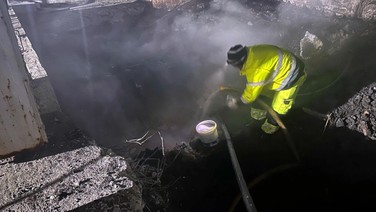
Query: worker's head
[[237, 55]]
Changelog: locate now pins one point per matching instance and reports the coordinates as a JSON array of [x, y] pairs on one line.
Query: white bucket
[[207, 132]]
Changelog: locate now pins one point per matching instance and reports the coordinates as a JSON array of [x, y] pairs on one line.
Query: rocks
[[310, 45], [359, 113], [364, 9]]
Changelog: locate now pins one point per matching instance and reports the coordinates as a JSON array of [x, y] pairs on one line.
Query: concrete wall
[[20, 124], [42, 89]]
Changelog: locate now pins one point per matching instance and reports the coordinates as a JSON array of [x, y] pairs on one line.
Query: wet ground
[[121, 71]]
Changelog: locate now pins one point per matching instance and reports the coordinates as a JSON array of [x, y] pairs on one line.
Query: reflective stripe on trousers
[[284, 99]]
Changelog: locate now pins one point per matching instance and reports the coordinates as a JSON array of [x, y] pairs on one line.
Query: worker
[[272, 73]]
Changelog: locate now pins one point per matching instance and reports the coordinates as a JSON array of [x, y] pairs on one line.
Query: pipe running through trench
[[247, 199]]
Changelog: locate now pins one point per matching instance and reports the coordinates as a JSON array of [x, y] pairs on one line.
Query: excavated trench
[[121, 71]]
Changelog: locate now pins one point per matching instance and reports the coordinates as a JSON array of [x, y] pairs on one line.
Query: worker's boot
[[269, 128], [258, 114]]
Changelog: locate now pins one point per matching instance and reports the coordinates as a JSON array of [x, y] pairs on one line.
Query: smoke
[[152, 73], [199, 41], [183, 61], [195, 45], [205, 37], [177, 63]]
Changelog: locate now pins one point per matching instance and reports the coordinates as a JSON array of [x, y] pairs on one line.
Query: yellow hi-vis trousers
[[284, 99]]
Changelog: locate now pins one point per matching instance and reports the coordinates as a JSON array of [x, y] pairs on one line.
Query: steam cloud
[[194, 47], [156, 74], [169, 71]]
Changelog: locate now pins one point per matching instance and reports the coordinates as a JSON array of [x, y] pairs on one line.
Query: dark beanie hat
[[236, 55]]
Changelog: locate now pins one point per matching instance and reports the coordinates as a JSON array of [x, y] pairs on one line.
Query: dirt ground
[[118, 72]]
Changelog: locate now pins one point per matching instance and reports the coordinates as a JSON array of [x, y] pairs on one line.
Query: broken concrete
[[310, 45], [365, 9], [45, 95], [64, 181]]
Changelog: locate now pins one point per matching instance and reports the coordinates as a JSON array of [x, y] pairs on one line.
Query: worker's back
[[269, 65]]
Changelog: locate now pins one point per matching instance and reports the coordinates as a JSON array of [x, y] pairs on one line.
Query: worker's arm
[[256, 80], [249, 95], [251, 92]]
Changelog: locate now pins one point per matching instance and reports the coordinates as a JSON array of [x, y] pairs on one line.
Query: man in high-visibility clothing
[[271, 72]]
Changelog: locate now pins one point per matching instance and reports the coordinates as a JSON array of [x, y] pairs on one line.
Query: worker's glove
[[232, 102]]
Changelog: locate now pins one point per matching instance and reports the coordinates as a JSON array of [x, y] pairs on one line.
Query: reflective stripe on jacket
[[269, 67]]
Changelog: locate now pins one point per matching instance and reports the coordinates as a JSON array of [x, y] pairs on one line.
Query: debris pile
[[359, 113]]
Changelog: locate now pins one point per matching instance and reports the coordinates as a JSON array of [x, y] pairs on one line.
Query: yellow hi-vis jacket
[[268, 67]]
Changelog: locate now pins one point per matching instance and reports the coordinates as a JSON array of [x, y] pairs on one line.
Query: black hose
[[262, 177], [276, 118], [284, 129], [247, 199], [239, 175]]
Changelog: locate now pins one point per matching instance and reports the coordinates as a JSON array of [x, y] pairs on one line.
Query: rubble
[[358, 113], [364, 9], [64, 181], [310, 45]]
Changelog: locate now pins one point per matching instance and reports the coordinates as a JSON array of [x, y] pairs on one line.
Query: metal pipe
[[239, 175]]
